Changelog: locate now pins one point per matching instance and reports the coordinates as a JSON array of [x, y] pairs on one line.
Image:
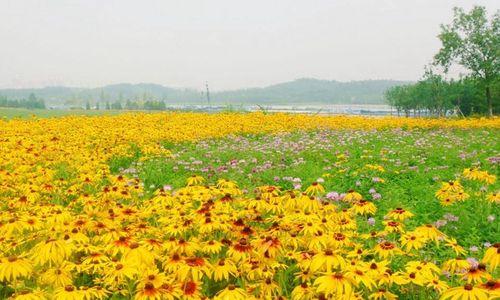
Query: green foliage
[[32, 102], [433, 95], [416, 161], [473, 42]]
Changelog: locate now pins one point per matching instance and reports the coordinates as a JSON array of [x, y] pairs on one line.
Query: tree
[[474, 43], [116, 105], [87, 106]]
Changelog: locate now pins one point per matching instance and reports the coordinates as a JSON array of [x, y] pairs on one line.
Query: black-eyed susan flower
[[387, 249], [412, 240], [326, 261], [232, 292], [382, 294], [315, 189], [466, 292], [303, 292], [456, 266], [492, 256], [336, 285], [68, 292], [14, 267], [399, 214], [476, 274], [352, 196], [59, 276]]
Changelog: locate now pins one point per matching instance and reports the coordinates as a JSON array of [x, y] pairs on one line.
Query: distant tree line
[[435, 96], [31, 102], [131, 105], [473, 43]]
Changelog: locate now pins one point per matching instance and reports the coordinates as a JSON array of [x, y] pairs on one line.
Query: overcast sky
[[229, 43]]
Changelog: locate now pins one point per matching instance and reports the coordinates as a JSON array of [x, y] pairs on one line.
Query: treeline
[[31, 102], [472, 42], [435, 96], [131, 105]]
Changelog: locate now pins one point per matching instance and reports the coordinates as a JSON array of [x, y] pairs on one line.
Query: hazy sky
[[229, 43]]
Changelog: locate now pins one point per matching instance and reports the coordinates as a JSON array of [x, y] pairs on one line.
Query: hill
[[300, 91]]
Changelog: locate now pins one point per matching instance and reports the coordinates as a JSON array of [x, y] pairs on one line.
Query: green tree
[[473, 42], [116, 105]]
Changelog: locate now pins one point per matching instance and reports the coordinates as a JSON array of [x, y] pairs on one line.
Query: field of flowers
[[249, 206]]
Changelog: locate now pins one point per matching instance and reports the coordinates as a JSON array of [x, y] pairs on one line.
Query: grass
[[23, 113], [415, 162]]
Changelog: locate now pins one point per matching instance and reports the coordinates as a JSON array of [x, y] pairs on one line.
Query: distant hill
[[300, 91]]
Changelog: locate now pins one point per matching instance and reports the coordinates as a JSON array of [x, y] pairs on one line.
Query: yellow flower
[[399, 214], [51, 251], [58, 276], [36, 294], [456, 266], [476, 274], [68, 292], [451, 242], [303, 292], [315, 189], [352, 196], [382, 294], [13, 267], [231, 292], [494, 198], [492, 256], [412, 240], [223, 269], [148, 291], [363, 207], [195, 180], [393, 226], [438, 285], [326, 261], [467, 292], [385, 249], [336, 285]]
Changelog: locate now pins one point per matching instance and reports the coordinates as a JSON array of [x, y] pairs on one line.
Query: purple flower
[[472, 262], [487, 244], [450, 217], [167, 187], [297, 186], [440, 223], [372, 191], [376, 196], [333, 196], [474, 249], [276, 178], [494, 159], [371, 221], [358, 183]]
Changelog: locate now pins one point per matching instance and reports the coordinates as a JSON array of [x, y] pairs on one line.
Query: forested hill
[[300, 91]]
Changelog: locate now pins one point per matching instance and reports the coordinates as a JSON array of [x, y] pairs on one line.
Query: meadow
[[249, 206], [24, 113]]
